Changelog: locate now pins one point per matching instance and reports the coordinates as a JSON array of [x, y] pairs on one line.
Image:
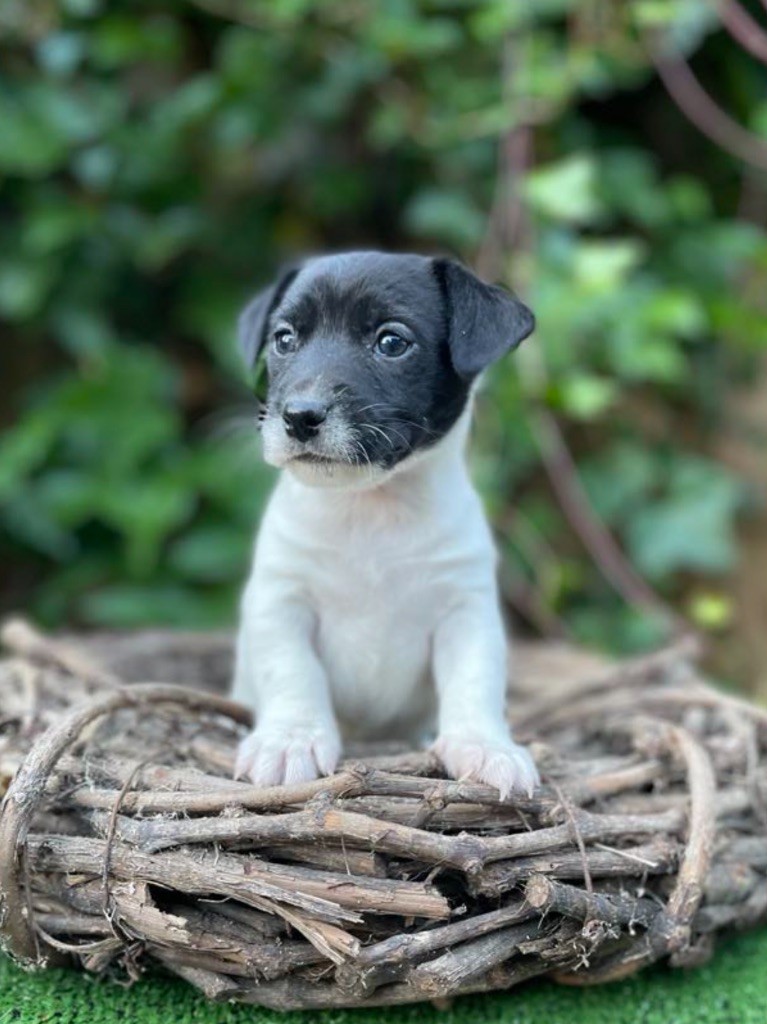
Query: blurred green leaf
[[210, 554], [566, 191], [127, 605], [691, 528], [620, 479], [447, 215], [24, 286], [27, 146], [712, 611], [120, 40], [602, 266], [585, 397], [61, 52]]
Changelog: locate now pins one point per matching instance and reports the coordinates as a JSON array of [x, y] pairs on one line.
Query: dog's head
[[371, 357]]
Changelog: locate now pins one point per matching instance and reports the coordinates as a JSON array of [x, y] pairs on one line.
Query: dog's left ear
[[251, 326], [484, 321]]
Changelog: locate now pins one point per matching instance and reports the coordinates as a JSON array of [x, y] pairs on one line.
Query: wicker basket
[[124, 843]]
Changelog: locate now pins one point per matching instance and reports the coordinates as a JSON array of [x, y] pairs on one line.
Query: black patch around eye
[[302, 313], [362, 317]]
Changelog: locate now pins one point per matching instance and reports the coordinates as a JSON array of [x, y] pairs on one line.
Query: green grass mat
[[730, 990]]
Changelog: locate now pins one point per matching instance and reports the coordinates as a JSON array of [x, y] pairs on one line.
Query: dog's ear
[[484, 321], [251, 326]]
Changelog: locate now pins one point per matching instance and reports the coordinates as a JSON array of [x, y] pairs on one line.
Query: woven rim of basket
[[668, 930], [27, 790]]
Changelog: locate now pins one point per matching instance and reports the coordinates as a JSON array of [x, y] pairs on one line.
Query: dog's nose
[[303, 417]]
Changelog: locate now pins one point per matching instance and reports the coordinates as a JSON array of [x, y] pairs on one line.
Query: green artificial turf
[[732, 989]]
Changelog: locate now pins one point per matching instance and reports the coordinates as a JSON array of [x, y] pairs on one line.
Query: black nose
[[303, 417]]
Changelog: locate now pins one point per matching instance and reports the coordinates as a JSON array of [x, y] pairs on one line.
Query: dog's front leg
[[279, 675], [470, 669]]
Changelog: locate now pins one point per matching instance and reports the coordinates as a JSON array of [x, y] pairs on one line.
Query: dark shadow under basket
[[124, 842]]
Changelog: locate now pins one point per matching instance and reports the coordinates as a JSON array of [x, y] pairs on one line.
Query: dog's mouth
[[312, 459]]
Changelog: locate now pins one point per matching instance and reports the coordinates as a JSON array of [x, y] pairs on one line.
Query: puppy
[[372, 609]]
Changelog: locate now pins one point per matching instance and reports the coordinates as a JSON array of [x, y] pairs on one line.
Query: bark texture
[[125, 844]]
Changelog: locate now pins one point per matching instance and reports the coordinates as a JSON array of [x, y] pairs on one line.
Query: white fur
[[372, 610]]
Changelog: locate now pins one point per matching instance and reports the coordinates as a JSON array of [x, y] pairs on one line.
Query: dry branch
[[124, 842]]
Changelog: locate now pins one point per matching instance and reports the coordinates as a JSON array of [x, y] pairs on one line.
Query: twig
[[600, 544], [696, 104], [547, 895], [745, 29]]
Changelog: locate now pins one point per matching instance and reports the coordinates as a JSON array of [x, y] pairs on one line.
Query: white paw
[[505, 765], [276, 755]]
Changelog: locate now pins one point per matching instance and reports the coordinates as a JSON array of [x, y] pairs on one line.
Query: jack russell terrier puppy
[[372, 610]]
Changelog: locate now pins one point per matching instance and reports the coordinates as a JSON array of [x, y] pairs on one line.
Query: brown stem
[[548, 895], [696, 104], [385, 961], [745, 29], [20, 636], [600, 544]]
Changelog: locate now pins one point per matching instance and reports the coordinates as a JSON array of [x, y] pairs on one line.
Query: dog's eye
[[391, 345], [283, 341]]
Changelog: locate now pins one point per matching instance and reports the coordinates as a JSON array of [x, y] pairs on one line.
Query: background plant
[[159, 159]]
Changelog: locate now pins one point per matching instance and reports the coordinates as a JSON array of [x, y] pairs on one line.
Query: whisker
[[378, 430], [358, 446], [418, 426], [399, 434]]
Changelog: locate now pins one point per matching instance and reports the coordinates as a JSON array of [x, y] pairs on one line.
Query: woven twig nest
[[124, 842]]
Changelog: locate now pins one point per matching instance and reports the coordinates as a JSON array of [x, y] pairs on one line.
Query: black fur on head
[[371, 356]]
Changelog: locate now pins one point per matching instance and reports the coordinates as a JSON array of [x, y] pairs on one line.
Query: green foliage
[[159, 159]]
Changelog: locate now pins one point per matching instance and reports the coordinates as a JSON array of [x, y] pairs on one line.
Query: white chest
[[375, 623], [378, 572]]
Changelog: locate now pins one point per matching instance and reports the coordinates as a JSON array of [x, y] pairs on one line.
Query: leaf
[[624, 630], [27, 520], [95, 166], [676, 311], [60, 53], [24, 449], [70, 497], [686, 22], [24, 287], [566, 191], [620, 479], [28, 147], [210, 554], [586, 396], [85, 333], [691, 528], [168, 236], [120, 40], [604, 265], [53, 225], [159, 604], [637, 355], [145, 511], [445, 215], [711, 610]]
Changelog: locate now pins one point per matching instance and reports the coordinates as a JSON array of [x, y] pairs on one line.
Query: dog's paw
[[506, 765], [277, 755]]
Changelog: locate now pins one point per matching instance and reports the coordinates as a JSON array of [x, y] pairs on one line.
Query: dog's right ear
[[251, 326]]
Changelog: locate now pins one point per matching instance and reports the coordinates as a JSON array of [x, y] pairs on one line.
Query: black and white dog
[[372, 609]]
